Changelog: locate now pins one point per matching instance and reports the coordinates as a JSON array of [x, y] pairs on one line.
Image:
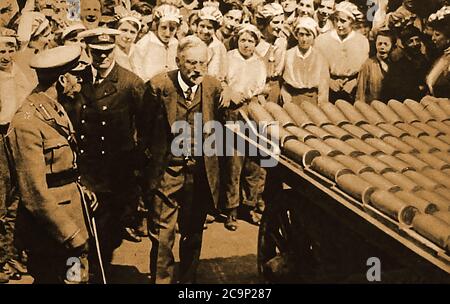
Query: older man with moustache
[[181, 188]]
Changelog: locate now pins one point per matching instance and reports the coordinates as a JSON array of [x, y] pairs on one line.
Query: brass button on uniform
[[104, 108], [103, 123]]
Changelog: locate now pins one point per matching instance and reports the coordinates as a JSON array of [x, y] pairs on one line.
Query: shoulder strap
[[46, 117]]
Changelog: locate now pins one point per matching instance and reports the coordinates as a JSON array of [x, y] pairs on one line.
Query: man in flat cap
[[106, 117], [50, 220]]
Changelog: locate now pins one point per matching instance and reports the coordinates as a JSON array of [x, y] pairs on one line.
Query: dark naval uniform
[[105, 116], [50, 217]]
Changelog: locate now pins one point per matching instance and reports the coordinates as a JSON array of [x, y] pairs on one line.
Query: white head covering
[[250, 28], [211, 13], [167, 12], [270, 10], [308, 23], [349, 9]]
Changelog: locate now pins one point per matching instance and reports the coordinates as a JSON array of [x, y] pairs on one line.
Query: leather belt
[[295, 91], [62, 178], [347, 78]]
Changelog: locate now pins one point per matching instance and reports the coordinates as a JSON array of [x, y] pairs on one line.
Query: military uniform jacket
[[160, 109], [105, 118], [49, 215]]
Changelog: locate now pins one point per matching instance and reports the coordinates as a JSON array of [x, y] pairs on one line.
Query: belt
[[62, 178], [295, 91], [348, 78]]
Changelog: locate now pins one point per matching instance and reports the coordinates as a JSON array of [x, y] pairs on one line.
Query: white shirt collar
[[108, 71], [184, 86], [306, 55], [336, 36]]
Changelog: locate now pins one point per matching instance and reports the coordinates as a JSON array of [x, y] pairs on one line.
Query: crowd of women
[[282, 51]]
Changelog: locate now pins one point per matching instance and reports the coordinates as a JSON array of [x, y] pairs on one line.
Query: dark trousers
[[184, 197], [115, 212]]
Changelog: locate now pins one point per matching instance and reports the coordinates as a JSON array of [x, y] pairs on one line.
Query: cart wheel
[[284, 250]]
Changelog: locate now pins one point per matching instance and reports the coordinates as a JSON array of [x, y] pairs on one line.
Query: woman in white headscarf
[[209, 21], [246, 77], [125, 54], [156, 51], [345, 50], [306, 74], [273, 45], [246, 70]]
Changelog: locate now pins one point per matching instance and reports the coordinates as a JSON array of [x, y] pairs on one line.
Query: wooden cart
[[312, 232]]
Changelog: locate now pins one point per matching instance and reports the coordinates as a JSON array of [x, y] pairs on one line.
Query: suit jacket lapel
[[171, 95]]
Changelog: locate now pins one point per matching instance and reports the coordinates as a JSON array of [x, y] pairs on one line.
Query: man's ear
[[62, 80]]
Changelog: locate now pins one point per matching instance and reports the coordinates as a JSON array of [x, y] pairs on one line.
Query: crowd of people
[[89, 90]]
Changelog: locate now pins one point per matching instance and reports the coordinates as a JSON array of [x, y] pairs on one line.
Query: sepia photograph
[[237, 145]]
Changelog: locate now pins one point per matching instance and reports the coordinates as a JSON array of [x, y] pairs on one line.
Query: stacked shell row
[[394, 157]]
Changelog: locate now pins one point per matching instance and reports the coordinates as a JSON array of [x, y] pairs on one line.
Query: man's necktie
[[189, 94], [98, 79]]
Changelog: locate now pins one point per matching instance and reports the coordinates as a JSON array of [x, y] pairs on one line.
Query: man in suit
[[50, 221], [106, 117], [185, 187]]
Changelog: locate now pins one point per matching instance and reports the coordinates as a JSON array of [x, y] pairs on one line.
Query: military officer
[[105, 116], [181, 188], [50, 220]]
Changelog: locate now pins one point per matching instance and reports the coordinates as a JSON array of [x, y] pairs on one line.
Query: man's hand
[[230, 96]]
